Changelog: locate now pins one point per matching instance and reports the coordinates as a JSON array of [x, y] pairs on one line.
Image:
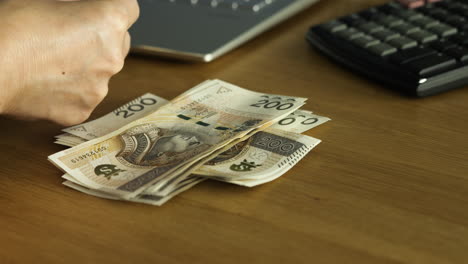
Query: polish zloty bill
[[142, 198], [300, 121], [125, 114], [145, 197], [261, 158], [69, 140], [182, 186], [297, 122], [264, 157], [164, 187], [151, 148]]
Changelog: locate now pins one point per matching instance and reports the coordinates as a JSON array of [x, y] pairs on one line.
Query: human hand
[[57, 57]]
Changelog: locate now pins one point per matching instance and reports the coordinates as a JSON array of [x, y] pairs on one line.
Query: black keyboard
[[415, 46]]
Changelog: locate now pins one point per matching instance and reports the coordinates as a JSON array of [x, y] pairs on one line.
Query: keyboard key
[[442, 45], [407, 14], [463, 26], [426, 9], [463, 13], [423, 36], [349, 33], [461, 38], [442, 4], [386, 35], [365, 41], [333, 26], [456, 7], [443, 30], [459, 53], [440, 14], [353, 20], [370, 27], [251, 5], [389, 20], [403, 43], [408, 55], [215, 3], [432, 64], [227, 4], [369, 14], [390, 8], [382, 49], [457, 21], [405, 28], [425, 22]]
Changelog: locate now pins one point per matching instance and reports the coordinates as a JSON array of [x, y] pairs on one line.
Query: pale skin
[[57, 57]]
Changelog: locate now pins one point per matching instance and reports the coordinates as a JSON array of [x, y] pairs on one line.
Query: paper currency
[[229, 163], [263, 157], [125, 114], [172, 139], [69, 140], [143, 198], [299, 121]]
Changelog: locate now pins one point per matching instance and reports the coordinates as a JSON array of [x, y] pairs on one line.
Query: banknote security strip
[[201, 134]]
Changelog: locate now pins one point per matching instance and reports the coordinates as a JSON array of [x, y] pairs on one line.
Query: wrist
[[8, 56]]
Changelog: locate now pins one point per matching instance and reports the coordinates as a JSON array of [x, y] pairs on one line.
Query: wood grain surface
[[388, 184]]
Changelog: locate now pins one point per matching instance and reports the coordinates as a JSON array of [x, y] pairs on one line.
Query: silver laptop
[[202, 30]]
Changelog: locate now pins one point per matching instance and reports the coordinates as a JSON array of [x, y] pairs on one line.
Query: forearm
[[4, 72], [8, 56]]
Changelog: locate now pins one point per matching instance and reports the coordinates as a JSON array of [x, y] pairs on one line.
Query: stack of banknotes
[[152, 149]]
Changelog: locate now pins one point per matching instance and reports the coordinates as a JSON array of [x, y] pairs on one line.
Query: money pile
[[152, 149]]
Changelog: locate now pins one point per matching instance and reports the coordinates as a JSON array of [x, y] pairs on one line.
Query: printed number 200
[[131, 109], [267, 104]]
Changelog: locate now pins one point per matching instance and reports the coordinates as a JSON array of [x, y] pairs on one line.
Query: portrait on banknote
[[150, 145]]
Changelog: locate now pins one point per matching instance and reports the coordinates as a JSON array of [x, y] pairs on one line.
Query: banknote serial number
[[196, 102], [88, 154]]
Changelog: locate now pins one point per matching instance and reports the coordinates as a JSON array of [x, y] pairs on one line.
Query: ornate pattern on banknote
[[149, 145]]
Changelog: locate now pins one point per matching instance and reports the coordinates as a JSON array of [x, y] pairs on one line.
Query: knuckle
[[115, 62], [118, 63], [81, 116], [95, 96], [114, 17], [135, 9], [73, 118], [108, 16]]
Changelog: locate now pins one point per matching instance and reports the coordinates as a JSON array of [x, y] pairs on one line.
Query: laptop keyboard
[[253, 6]]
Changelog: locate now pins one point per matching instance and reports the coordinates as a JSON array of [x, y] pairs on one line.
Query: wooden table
[[388, 184]]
